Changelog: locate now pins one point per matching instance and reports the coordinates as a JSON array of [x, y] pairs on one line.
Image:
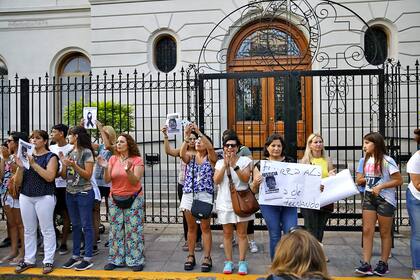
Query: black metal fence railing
[[340, 104]]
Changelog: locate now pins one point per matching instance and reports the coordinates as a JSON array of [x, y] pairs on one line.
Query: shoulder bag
[[244, 202], [200, 209]]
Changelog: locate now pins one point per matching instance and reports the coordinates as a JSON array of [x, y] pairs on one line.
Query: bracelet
[[165, 137], [186, 140]]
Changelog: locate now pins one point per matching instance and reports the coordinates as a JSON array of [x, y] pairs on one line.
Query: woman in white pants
[[37, 201]]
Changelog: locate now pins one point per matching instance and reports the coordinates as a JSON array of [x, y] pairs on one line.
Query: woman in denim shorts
[[380, 174]]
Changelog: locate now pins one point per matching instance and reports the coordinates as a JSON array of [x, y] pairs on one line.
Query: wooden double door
[[266, 95]]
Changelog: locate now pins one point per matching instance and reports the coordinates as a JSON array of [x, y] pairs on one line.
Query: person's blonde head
[[299, 253], [111, 133], [308, 156]]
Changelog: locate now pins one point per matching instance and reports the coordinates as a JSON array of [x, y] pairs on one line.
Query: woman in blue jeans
[[413, 207], [277, 218], [77, 170]]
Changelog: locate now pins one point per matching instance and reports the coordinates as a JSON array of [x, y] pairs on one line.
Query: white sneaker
[[416, 275], [222, 246], [253, 248]]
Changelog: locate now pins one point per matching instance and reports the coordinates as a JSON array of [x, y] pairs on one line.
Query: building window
[[165, 53], [4, 99], [376, 45], [70, 72], [74, 65], [3, 69]]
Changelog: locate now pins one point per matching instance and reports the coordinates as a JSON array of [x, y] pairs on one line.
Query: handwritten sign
[[290, 184], [338, 187]]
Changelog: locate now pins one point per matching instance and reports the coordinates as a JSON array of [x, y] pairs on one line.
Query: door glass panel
[[268, 42], [248, 99], [279, 94]]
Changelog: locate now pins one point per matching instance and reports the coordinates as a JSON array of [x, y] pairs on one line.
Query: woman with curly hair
[[125, 170]]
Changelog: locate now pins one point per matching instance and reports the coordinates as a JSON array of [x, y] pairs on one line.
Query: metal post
[[290, 118], [24, 105], [200, 103]]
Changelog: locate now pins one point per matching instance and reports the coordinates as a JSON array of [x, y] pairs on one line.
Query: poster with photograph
[[24, 150], [291, 184], [173, 123], [90, 117]]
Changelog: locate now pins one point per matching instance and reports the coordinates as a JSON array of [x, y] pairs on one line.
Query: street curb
[[36, 273]]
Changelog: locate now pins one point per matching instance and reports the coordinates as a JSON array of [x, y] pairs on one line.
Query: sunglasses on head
[[9, 140], [295, 228], [231, 145]]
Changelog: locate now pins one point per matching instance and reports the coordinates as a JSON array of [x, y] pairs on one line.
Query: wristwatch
[[236, 168]]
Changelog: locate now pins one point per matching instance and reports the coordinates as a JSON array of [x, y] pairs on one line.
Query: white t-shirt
[[413, 167], [374, 177], [224, 201], [66, 149]]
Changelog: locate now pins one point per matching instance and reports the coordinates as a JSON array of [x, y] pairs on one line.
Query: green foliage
[[119, 117]]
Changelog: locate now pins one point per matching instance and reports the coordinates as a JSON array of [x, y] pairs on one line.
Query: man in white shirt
[[58, 136]]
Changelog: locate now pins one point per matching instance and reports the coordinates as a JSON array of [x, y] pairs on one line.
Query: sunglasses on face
[[10, 140], [230, 145]]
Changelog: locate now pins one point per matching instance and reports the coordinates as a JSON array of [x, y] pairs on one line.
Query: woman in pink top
[[125, 171]]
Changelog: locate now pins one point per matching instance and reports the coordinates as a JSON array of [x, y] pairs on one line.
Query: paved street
[[163, 252]]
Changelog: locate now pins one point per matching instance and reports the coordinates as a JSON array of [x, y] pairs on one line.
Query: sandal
[[206, 265], [23, 266], [16, 261], [189, 265], [7, 258], [48, 268]]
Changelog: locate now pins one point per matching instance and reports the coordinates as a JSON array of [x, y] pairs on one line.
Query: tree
[[119, 116]]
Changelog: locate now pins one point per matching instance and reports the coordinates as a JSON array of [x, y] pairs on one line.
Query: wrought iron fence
[[342, 106]]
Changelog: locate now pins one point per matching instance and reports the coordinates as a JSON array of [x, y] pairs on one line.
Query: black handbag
[[124, 202], [200, 209]]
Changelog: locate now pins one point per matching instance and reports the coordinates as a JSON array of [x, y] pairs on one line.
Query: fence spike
[[417, 62], [119, 72], [135, 71], [105, 72], [16, 76]]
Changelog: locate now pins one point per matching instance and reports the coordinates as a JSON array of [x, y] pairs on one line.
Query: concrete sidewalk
[[164, 254]]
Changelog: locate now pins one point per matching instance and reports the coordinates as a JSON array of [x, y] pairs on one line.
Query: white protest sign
[[24, 150], [90, 117], [173, 123], [291, 184], [338, 187]]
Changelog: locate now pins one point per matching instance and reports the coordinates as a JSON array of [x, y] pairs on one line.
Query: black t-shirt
[[33, 184]]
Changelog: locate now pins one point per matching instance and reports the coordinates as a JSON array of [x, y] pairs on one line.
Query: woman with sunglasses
[[277, 218], [199, 184], [240, 170], [181, 179], [10, 200]]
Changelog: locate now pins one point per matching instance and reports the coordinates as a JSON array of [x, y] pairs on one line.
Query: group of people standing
[[70, 178], [204, 176]]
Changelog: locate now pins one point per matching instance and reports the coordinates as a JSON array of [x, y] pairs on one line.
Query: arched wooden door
[[256, 105]]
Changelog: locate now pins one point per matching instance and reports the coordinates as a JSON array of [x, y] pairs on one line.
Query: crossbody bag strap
[[192, 175]]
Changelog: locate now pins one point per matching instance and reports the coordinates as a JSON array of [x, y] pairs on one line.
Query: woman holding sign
[[240, 170], [198, 185], [277, 218], [380, 174], [316, 220]]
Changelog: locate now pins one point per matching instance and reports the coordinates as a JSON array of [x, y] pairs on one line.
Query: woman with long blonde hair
[[316, 220], [299, 255]]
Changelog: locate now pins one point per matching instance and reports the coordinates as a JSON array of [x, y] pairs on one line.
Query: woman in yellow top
[[316, 220]]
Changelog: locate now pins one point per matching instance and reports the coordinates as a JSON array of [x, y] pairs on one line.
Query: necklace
[[123, 159]]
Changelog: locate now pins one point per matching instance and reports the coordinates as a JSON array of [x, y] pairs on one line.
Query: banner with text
[[291, 184]]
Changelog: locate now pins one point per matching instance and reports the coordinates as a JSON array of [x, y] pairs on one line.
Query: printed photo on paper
[[24, 150], [173, 123], [90, 117]]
